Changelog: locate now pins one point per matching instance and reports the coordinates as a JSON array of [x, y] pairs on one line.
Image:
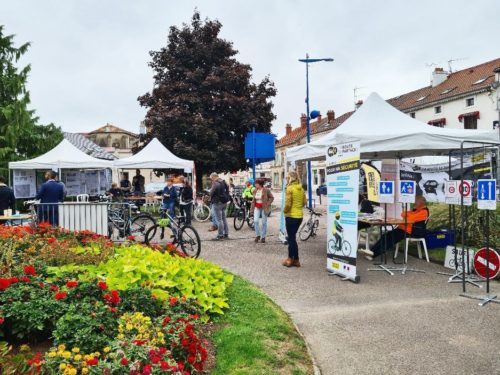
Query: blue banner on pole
[[260, 146]]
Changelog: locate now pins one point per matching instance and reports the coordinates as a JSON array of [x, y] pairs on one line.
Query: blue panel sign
[[406, 191], [486, 194], [386, 191], [260, 146]]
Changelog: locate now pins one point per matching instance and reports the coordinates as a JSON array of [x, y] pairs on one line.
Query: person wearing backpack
[[219, 196]]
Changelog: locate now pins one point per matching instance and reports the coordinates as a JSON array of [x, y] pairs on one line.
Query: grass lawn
[[256, 337]]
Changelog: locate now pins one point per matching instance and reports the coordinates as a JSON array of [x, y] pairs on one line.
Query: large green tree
[[203, 101], [21, 136]]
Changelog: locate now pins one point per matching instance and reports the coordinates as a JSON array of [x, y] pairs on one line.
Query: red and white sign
[[483, 267], [454, 188]]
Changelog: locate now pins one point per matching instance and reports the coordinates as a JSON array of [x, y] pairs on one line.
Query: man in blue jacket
[[51, 192]]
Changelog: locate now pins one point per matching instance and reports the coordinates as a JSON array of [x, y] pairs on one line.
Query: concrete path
[[402, 324]]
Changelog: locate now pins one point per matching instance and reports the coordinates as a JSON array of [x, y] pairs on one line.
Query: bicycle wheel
[[239, 219], [331, 247], [157, 235], [201, 213], [190, 241], [306, 231], [110, 230], [139, 225], [346, 248], [251, 222], [315, 227]]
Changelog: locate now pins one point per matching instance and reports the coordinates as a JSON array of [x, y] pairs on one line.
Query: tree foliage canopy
[[203, 101], [21, 136]]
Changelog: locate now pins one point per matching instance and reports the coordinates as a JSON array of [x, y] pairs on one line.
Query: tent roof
[[385, 132], [154, 156], [63, 156]]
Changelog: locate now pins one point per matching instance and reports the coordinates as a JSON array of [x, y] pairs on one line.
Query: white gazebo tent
[[385, 133]]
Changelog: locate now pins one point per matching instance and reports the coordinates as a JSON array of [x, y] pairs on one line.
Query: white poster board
[[449, 258], [342, 179], [24, 183], [454, 189]]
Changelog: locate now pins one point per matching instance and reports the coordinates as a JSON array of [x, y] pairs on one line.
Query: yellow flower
[[66, 355], [96, 354], [107, 349], [78, 357], [61, 347], [52, 354], [85, 370], [75, 350], [62, 366], [24, 348], [129, 327], [121, 336], [72, 371]]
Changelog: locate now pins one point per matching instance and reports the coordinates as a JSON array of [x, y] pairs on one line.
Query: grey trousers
[[220, 214]]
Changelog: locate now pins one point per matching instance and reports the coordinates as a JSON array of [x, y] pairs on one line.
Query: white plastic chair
[[82, 198], [418, 240]]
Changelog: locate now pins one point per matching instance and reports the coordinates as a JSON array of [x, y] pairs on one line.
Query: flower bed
[[118, 310]]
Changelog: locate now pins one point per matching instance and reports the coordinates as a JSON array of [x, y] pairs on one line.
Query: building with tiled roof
[[465, 99], [114, 140]]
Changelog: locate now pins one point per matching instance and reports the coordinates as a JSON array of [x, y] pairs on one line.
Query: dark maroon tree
[[203, 102]]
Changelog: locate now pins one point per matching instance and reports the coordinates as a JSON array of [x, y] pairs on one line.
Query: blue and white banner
[[342, 179]]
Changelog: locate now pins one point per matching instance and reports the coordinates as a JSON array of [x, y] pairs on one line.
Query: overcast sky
[[89, 58]]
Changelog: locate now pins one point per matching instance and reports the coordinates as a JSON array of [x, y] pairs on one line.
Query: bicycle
[[310, 227], [344, 249], [179, 233], [201, 211], [33, 212], [243, 214]]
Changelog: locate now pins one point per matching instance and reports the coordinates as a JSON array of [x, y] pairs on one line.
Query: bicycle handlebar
[[314, 212]]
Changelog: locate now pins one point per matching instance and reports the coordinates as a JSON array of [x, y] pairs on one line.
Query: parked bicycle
[[201, 210], [243, 215], [310, 227], [174, 231]]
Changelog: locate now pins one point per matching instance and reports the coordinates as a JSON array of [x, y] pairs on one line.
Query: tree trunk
[[199, 179]]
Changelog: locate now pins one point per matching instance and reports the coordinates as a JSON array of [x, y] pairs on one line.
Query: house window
[[412, 115], [437, 109], [469, 102], [470, 122]]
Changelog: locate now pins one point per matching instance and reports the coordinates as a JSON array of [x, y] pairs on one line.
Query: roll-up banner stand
[[342, 178]]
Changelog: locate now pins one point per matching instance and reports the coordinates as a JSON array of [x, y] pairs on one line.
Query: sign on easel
[[486, 194], [406, 191], [454, 190], [342, 178], [386, 191], [487, 263]]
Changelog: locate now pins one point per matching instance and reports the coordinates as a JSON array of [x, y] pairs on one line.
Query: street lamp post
[[308, 60]]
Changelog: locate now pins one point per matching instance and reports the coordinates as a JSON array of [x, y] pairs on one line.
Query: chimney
[[331, 116], [318, 119], [288, 129], [303, 121], [497, 74], [438, 76], [358, 104]]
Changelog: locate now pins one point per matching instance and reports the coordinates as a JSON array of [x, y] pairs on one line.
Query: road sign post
[[486, 194]]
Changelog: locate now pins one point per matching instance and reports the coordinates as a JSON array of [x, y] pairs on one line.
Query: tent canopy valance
[[154, 156], [63, 156], [386, 133]]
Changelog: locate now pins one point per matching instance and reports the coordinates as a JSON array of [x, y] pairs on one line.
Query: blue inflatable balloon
[[315, 114]]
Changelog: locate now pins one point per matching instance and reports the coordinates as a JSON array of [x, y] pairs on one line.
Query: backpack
[[223, 192]]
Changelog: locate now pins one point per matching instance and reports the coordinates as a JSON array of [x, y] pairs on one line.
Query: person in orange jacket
[[419, 213]]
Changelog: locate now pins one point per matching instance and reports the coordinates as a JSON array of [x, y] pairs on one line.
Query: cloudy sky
[[89, 57]]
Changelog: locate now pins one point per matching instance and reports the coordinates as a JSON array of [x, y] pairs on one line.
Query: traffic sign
[[486, 194], [454, 188], [386, 191], [483, 267], [406, 191]]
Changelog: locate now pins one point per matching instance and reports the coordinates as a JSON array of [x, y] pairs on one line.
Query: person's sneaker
[[212, 228], [287, 262], [368, 257], [296, 263], [219, 238], [257, 239], [226, 235], [263, 240], [367, 252]]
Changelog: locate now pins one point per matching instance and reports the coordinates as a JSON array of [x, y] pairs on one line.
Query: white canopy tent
[[387, 133], [154, 156], [63, 156]]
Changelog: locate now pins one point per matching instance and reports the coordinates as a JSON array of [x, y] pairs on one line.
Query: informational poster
[[406, 191], [92, 182], [487, 194], [454, 189], [342, 179], [74, 182], [24, 182], [449, 259]]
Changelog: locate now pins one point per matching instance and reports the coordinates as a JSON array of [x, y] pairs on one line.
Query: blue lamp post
[[307, 60]]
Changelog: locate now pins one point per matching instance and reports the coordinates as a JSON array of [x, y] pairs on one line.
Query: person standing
[[169, 197], [295, 200], [219, 196], [115, 192], [261, 208], [7, 198], [138, 182], [186, 201], [50, 194], [125, 184]]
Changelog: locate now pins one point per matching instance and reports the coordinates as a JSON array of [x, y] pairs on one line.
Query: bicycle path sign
[[486, 194], [406, 191], [453, 189], [386, 191]]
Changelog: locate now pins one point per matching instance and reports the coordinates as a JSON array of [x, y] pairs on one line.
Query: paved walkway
[[412, 324]]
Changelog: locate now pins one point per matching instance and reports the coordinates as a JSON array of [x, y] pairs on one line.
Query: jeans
[[259, 216], [220, 213], [389, 239], [186, 210], [170, 207], [292, 227], [214, 217]]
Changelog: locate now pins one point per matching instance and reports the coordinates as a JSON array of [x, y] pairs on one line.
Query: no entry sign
[[481, 263]]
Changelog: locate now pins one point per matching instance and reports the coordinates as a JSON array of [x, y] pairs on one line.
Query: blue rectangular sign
[[386, 187], [263, 149], [486, 190]]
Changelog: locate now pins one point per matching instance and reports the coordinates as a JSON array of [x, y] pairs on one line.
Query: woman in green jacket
[[295, 200]]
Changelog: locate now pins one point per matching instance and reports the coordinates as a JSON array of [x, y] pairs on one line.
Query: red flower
[[198, 366], [131, 238], [60, 295], [139, 342], [14, 280], [2, 320], [51, 240], [102, 285], [146, 370], [72, 284], [112, 298], [173, 301], [54, 288], [92, 361], [164, 365], [185, 343], [25, 279], [166, 320], [41, 285], [5, 283], [191, 358], [124, 361], [162, 350], [113, 309], [29, 270]]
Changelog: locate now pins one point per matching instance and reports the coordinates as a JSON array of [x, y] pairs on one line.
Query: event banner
[[431, 179], [24, 182], [372, 177], [342, 179]]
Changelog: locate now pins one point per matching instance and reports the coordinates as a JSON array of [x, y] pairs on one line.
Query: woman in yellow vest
[[295, 200]]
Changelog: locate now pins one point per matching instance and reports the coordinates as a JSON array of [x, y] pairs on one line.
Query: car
[[321, 190]]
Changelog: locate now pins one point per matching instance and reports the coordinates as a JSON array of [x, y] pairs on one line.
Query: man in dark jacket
[[7, 199], [219, 196], [51, 192]]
